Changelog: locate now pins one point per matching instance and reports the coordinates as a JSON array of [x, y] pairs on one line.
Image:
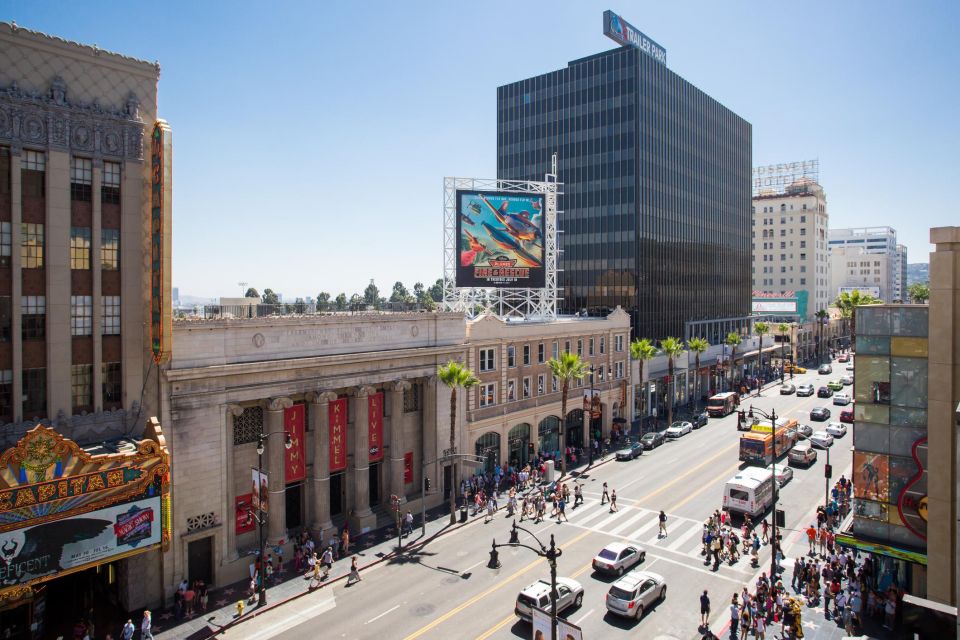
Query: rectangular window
[[110, 312], [590, 347], [556, 349], [487, 391], [803, 231], [540, 388], [486, 359], [6, 395], [6, 319], [33, 176], [600, 373], [603, 345], [541, 353], [526, 387], [566, 346], [81, 315], [110, 188], [33, 311], [411, 398], [619, 370], [526, 354], [79, 247], [109, 248], [112, 383], [81, 179], [31, 245], [618, 343], [6, 243], [579, 347], [34, 393], [511, 356], [81, 385], [511, 390]]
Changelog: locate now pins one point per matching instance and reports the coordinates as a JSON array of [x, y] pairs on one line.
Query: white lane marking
[[601, 511], [293, 619], [586, 508], [474, 566], [580, 620], [375, 618], [616, 515], [675, 544], [639, 532], [642, 513]]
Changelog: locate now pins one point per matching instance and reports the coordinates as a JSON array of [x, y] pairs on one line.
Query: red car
[[843, 358], [846, 416]]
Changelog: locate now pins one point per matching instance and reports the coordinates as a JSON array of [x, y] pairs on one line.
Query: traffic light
[[781, 519], [828, 471], [427, 483]]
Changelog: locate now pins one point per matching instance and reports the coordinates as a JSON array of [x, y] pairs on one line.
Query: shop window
[[81, 386], [110, 312], [248, 426], [31, 245], [79, 247], [81, 179], [109, 249], [33, 313], [34, 393], [110, 187], [112, 383]]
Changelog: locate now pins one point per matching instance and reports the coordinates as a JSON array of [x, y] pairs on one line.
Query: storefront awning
[[751, 354]]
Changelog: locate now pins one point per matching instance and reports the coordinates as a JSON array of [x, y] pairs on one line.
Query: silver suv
[[804, 390], [635, 592], [569, 593]]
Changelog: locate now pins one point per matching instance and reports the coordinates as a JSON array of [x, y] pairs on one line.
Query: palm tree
[[848, 303], [821, 315], [698, 346], [782, 329], [567, 367], [671, 347], [919, 292], [456, 376], [641, 350], [733, 341], [761, 329]]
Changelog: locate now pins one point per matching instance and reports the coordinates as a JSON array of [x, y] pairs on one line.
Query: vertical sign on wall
[[375, 424], [295, 462], [407, 467], [338, 434], [161, 314], [244, 521]]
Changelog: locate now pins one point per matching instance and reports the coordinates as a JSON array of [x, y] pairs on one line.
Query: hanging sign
[[375, 425], [295, 462], [338, 434]]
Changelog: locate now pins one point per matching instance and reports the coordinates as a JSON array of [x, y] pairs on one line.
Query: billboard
[[774, 306], [622, 32], [63, 545], [260, 491], [500, 239], [375, 426]]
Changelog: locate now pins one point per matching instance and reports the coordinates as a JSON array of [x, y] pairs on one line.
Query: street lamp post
[[551, 553], [260, 516], [772, 417], [589, 412]]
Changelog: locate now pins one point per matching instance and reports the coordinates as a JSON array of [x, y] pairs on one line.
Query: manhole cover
[[422, 610]]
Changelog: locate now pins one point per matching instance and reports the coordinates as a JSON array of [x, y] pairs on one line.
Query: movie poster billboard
[[71, 543], [591, 403], [500, 239], [871, 476], [260, 491]]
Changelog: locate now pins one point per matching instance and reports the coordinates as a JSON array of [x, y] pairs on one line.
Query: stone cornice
[[13, 32]]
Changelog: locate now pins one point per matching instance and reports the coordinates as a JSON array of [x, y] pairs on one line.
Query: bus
[[722, 404], [756, 447], [749, 492]]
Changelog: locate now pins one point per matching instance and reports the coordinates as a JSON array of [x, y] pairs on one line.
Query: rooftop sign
[[622, 32]]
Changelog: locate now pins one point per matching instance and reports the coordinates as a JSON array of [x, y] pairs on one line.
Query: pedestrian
[[188, 597], [604, 497], [204, 596], [704, 609], [326, 562], [354, 572], [663, 525], [734, 617], [759, 627], [345, 541], [127, 632], [613, 501], [408, 522], [561, 510], [577, 495], [812, 539], [889, 612], [145, 627], [764, 528]]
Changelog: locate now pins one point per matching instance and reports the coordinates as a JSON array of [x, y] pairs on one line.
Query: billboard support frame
[[504, 303]]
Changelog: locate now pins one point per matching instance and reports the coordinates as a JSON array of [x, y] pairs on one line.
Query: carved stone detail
[[401, 385], [320, 397], [235, 410], [364, 391], [279, 404]]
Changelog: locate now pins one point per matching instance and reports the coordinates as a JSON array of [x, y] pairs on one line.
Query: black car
[[825, 370], [652, 440], [824, 392], [699, 420], [820, 414]]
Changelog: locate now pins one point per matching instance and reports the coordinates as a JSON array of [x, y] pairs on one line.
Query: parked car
[[652, 440], [569, 593], [700, 420], [787, 389], [804, 390], [842, 399], [846, 416], [634, 593], [782, 473], [820, 414], [792, 368], [821, 440], [849, 367], [630, 452], [618, 557], [846, 380], [825, 370], [824, 392], [837, 429], [835, 385], [678, 429], [843, 358], [803, 454], [804, 431]]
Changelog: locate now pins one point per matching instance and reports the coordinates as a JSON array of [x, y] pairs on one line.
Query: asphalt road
[[446, 591]]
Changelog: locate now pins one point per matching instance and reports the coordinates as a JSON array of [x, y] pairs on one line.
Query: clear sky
[[311, 138]]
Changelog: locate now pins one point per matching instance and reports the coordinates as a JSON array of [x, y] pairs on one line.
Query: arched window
[[518, 444], [488, 447]]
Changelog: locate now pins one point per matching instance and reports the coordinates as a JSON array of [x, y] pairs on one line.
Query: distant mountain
[[190, 301], [917, 272]]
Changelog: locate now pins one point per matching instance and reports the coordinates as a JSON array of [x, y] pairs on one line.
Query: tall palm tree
[[848, 303], [698, 346], [672, 348], [821, 315], [733, 341], [569, 366], [455, 376], [782, 329], [641, 350], [761, 329]]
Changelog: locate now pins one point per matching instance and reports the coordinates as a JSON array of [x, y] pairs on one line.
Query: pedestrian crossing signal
[[828, 471], [781, 518]]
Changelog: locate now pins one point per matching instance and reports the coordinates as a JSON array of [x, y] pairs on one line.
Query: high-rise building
[[790, 223], [900, 284], [852, 268], [656, 187], [877, 240]]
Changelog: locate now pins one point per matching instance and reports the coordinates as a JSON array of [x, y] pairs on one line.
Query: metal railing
[[285, 309]]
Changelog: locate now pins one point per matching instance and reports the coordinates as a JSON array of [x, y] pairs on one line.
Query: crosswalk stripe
[[616, 515], [602, 511], [590, 508], [684, 537], [631, 521], [642, 530]]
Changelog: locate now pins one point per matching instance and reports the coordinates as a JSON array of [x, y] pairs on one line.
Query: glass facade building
[[655, 211]]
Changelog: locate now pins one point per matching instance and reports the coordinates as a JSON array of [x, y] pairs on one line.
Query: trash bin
[[463, 513], [550, 469]]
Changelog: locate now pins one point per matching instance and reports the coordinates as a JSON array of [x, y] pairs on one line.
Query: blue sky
[[311, 140]]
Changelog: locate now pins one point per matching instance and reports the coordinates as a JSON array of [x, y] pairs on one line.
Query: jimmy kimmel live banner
[[70, 543], [375, 424], [338, 434], [295, 463]]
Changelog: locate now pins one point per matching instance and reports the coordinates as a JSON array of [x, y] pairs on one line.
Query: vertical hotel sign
[[160, 209], [338, 434], [375, 424]]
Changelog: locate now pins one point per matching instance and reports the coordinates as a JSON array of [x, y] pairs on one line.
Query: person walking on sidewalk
[[145, 627], [326, 562], [734, 617], [604, 497], [663, 525], [316, 577], [354, 572], [128, 630], [704, 609], [613, 501]]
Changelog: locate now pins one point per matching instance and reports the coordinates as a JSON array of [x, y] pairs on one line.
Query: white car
[[849, 367], [841, 398], [836, 429], [783, 473], [846, 380], [803, 454], [635, 592], [618, 557], [678, 428], [821, 440], [569, 594]]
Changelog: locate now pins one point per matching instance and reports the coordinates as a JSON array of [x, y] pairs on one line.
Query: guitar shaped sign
[[912, 501]]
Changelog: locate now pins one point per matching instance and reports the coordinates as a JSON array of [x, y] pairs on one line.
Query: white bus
[[750, 492]]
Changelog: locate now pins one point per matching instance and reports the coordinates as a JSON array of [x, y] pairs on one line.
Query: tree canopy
[[919, 292], [269, 297], [251, 293]]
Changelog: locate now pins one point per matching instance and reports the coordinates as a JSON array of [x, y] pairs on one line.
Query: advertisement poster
[[294, 459], [375, 426], [260, 491], [61, 545], [540, 624], [408, 467], [568, 631], [871, 476], [242, 506], [500, 239], [338, 434], [591, 402]]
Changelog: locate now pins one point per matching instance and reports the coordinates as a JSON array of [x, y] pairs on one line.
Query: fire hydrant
[[239, 608]]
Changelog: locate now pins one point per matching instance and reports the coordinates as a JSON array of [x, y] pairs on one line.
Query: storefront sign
[[244, 521], [80, 485], [70, 543], [407, 467], [338, 434], [912, 501], [875, 547], [375, 425], [295, 462]]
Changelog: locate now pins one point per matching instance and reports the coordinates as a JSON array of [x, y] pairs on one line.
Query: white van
[[750, 492]]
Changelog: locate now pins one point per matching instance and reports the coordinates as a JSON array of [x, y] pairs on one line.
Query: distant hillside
[[917, 272]]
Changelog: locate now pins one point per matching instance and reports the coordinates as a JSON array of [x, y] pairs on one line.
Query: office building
[[853, 268], [789, 237], [656, 186], [900, 284], [873, 241]]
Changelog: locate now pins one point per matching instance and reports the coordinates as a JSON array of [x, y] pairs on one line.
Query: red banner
[[375, 426], [296, 462], [407, 467], [242, 505], [338, 434]]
